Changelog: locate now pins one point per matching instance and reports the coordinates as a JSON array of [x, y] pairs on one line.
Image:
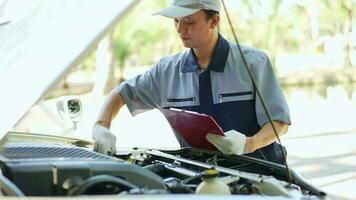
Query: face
[[195, 30]]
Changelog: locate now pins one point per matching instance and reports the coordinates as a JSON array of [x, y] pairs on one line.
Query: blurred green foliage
[[276, 26], [141, 38]]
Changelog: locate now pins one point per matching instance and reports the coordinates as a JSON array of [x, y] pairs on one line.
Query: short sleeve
[[271, 92], [141, 93]]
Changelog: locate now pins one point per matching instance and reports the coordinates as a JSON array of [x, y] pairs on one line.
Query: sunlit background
[[312, 45]]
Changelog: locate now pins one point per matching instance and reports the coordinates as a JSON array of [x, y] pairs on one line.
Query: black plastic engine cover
[[52, 170]]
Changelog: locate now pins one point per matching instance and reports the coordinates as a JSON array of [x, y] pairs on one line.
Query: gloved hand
[[232, 143], [104, 140]]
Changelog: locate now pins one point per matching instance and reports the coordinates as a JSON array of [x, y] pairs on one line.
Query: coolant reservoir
[[211, 184]]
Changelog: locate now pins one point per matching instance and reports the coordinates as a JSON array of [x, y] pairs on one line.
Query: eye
[[188, 22], [176, 21]]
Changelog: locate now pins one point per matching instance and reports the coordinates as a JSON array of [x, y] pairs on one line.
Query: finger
[[96, 147], [220, 147], [114, 150], [106, 149], [215, 139], [212, 136], [109, 151], [101, 149], [109, 148]]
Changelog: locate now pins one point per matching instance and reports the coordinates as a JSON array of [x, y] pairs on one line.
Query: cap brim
[[176, 12]]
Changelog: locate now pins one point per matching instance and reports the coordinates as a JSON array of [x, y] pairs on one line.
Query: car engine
[[66, 170]]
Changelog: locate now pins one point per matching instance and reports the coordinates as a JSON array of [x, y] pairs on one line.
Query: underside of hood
[[41, 41]]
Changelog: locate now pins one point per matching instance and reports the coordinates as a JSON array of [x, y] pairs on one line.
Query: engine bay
[[68, 170]]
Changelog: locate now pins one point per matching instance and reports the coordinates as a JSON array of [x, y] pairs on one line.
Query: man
[[209, 78]]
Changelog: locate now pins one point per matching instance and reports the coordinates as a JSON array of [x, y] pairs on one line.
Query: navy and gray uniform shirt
[[223, 91]]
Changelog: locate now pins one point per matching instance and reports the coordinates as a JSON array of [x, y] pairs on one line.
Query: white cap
[[182, 8]]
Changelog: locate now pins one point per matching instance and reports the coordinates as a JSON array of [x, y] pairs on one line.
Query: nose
[[180, 26]]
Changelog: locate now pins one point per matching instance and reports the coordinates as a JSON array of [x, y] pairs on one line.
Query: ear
[[214, 21]]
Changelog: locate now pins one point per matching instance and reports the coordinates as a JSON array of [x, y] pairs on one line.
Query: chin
[[188, 44]]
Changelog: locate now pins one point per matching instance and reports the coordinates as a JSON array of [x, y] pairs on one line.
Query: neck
[[205, 52]]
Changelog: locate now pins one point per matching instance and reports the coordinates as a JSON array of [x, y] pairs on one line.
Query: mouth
[[185, 38]]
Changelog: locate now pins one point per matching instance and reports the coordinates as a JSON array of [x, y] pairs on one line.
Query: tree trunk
[[347, 31], [105, 79], [314, 22]]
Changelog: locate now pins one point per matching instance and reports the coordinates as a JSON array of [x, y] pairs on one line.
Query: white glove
[[232, 143], [104, 140]]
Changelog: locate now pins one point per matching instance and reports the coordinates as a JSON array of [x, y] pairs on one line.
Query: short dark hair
[[210, 13]]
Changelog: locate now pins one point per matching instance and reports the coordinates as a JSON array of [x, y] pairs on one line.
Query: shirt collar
[[218, 61]]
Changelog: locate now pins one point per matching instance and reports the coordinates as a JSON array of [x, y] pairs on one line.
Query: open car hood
[[41, 41]]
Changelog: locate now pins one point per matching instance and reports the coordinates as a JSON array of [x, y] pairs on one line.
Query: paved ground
[[327, 161]]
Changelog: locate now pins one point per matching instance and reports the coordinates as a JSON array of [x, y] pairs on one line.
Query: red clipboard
[[193, 127]]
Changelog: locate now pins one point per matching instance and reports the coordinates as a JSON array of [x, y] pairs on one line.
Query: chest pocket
[[177, 100], [180, 101], [235, 96]]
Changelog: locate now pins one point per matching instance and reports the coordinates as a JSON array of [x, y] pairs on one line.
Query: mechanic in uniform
[[209, 77]]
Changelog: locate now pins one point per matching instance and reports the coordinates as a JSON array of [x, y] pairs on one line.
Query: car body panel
[[42, 41]]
